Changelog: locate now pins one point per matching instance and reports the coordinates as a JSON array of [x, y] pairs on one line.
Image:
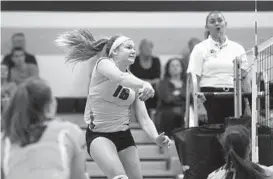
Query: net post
[[237, 88], [255, 82], [239, 96], [255, 107]]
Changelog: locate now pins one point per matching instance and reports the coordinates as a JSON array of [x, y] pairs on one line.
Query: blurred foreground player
[[35, 144], [236, 142]]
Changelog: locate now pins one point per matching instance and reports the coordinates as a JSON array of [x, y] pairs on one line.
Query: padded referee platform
[[154, 163]]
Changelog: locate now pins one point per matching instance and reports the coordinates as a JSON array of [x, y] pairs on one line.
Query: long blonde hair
[[81, 45]]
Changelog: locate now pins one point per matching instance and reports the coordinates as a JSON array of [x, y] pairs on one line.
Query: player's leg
[[130, 160], [104, 153]]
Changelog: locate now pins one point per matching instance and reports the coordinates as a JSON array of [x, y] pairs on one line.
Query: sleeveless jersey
[[57, 155], [108, 104]]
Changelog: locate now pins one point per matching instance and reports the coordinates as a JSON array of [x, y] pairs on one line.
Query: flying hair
[[80, 45]]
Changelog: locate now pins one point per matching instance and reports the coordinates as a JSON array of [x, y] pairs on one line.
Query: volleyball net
[[261, 71]]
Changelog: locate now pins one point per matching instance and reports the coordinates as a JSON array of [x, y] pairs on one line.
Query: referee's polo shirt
[[214, 62]]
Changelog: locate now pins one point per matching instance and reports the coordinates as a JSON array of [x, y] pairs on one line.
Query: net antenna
[[254, 135]]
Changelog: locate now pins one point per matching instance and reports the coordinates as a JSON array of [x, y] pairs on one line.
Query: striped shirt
[[108, 104]]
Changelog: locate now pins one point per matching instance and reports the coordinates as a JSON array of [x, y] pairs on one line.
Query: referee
[[212, 61]]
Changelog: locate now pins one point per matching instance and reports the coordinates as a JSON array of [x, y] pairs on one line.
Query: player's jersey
[[108, 104], [222, 172], [58, 154]]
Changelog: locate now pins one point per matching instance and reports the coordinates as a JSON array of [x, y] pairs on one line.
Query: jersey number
[[122, 93]]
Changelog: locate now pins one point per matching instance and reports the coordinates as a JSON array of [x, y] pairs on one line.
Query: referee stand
[[199, 146]]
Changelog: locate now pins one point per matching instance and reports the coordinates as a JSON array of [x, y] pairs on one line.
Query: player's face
[[4, 71], [175, 68], [127, 52], [216, 23], [18, 57]]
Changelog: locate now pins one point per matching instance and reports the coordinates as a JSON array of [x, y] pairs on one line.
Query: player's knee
[[121, 177]]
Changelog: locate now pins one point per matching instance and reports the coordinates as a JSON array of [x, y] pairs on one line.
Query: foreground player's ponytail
[[23, 120], [236, 143], [81, 45]]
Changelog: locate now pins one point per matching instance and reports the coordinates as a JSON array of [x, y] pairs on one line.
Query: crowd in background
[[16, 67]]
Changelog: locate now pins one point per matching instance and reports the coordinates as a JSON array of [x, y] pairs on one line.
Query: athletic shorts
[[121, 139]]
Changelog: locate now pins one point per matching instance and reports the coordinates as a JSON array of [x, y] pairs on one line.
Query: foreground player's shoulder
[[268, 170], [218, 174], [72, 128]]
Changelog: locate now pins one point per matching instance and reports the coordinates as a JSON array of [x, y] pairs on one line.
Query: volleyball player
[[113, 93], [236, 143], [35, 143], [212, 62]]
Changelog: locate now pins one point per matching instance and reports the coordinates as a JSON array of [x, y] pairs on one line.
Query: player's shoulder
[[104, 59], [268, 170], [66, 125]]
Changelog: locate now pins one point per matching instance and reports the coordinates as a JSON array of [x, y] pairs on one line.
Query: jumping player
[[113, 93]]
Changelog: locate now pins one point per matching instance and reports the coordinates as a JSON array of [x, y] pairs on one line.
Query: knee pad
[[121, 177]]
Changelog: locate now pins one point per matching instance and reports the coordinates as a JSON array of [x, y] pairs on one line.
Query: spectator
[[172, 96], [21, 70], [18, 41], [212, 62], [147, 67], [7, 88], [236, 142]]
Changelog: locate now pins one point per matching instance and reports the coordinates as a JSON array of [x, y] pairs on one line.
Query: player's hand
[[146, 92], [163, 141]]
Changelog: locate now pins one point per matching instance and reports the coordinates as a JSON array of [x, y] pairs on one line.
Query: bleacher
[[155, 163]]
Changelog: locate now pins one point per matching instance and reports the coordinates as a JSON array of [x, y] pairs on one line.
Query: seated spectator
[[147, 67], [21, 70], [236, 142], [172, 97], [18, 41], [35, 143], [7, 88]]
